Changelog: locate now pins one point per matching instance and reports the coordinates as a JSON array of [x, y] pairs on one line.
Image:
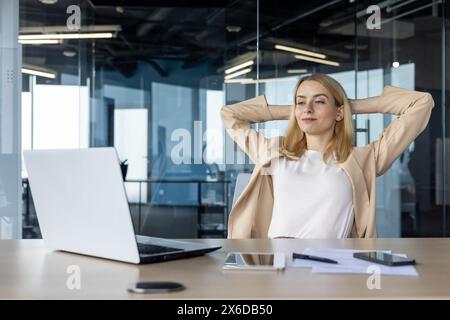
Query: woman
[[312, 182]]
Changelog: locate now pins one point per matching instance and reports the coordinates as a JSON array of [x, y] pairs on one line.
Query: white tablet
[[254, 261]]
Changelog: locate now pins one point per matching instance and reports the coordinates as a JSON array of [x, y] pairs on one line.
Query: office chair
[[241, 181]]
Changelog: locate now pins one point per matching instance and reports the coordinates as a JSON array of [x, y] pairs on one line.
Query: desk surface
[[29, 271]]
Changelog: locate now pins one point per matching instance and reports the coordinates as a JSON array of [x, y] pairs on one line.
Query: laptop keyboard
[[153, 249]]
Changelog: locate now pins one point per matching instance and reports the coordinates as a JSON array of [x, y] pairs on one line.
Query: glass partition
[[150, 81]]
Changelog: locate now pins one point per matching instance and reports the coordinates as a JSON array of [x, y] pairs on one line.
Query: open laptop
[[82, 207]]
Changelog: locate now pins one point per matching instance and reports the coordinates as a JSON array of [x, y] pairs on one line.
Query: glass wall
[[371, 45], [10, 62], [408, 194], [151, 80]]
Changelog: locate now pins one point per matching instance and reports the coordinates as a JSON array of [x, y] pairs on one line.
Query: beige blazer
[[251, 215]]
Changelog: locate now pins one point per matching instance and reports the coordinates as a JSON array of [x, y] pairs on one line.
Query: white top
[[312, 199]]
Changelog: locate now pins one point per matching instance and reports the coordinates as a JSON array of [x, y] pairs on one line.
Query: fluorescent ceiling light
[[252, 81], [99, 35], [236, 74], [297, 71], [239, 66], [69, 53], [329, 62], [239, 80], [64, 29], [43, 41], [301, 51], [48, 1], [44, 74], [277, 79]]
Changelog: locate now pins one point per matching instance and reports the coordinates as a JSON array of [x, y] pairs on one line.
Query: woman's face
[[315, 108]]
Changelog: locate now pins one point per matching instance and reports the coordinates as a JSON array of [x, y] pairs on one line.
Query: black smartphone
[[155, 287], [384, 258]]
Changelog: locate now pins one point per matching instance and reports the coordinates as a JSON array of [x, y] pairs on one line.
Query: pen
[[308, 257]]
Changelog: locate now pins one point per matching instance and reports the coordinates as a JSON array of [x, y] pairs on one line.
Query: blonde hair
[[341, 144]]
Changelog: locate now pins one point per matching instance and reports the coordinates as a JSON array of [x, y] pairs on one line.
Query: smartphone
[[155, 287], [384, 258], [254, 261]]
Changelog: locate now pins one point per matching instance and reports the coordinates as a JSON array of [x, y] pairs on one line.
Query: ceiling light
[[64, 29], [278, 79], [48, 1], [100, 35], [43, 41], [301, 51], [236, 74], [325, 23], [243, 80], [39, 73], [239, 66], [328, 62], [233, 28], [396, 64], [253, 81], [297, 71], [69, 53]]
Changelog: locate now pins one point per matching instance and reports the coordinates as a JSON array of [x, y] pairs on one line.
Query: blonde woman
[[312, 182]]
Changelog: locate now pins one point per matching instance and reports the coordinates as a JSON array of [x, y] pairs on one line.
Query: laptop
[[82, 207]]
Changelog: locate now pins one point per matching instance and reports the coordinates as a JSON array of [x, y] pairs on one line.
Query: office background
[[160, 66]]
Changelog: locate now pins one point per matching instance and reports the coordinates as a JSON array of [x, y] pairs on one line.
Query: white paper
[[350, 265]]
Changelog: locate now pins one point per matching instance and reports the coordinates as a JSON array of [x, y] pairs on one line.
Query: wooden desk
[[29, 270]]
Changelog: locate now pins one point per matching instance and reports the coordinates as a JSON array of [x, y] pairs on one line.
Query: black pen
[[308, 257]]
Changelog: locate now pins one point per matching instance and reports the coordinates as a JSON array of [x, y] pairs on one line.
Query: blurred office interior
[[141, 75]]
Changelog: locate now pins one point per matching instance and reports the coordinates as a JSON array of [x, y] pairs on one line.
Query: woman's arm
[[280, 112], [237, 119], [368, 105], [254, 110], [242, 114], [413, 111]]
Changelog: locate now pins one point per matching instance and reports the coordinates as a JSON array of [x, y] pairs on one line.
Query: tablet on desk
[[254, 261]]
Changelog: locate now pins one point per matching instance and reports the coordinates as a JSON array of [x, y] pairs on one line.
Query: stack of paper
[[348, 264]]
